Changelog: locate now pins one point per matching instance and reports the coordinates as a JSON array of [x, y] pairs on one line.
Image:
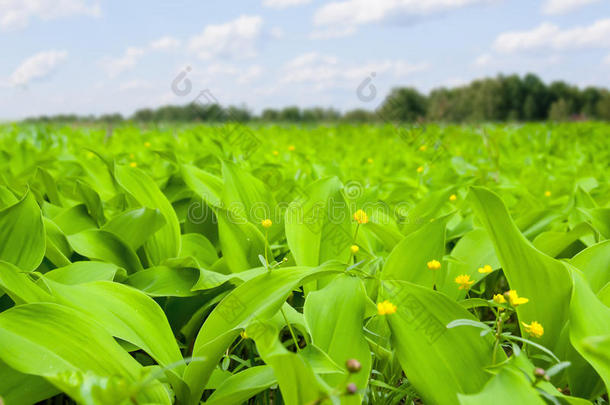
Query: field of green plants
[[305, 265]]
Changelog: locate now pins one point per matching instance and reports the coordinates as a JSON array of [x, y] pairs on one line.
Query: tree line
[[502, 98]]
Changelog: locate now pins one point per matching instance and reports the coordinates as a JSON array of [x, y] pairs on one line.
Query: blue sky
[[88, 56]]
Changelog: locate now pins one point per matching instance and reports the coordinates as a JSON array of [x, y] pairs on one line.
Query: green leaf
[[534, 275], [429, 352], [334, 316], [238, 388], [473, 251], [594, 263], [25, 389], [200, 248], [84, 272], [408, 260], [258, 298], [165, 243], [103, 245], [47, 339], [590, 327], [241, 241], [207, 186], [319, 228], [19, 287], [134, 227], [22, 234]]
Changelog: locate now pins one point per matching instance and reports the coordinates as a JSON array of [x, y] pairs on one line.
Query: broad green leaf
[[295, 374], [238, 388], [164, 281], [207, 186], [25, 389], [428, 352], [472, 252], [74, 220], [19, 286], [134, 227], [84, 272], [594, 263], [103, 245], [58, 250], [408, 260], [241, 241], [543, 280], [335, 316], [165, 243], [125, 313], [249, 197], [590, 327], [47, 339], [22, 234], [199, 247], [319, 228], [260, 297], [553, 243]]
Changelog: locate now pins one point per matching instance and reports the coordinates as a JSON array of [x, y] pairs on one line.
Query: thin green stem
[[498, 336], [294, 338]]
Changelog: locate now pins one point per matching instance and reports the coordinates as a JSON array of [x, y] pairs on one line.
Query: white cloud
[[327, 71], [606, 60], [235, 39], [483, 60], [284, 3], [16, 14], [136, 84], [564, 6], [129, 59], [550, 36], [250, 74], [349, 14], [165, 43], [38, 66]]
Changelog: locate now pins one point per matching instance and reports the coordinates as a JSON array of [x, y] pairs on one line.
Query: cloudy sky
[[89, 56]]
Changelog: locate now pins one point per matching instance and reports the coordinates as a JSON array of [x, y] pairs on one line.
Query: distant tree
[[560, 110], [590, 98], [290, 114], [603, 106], [403, 104], [359, 115], [537, 101], [269, 114], [144, 115]]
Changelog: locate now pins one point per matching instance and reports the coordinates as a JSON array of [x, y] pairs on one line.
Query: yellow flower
[[244, 335], [434, 265], [266, 223], [499, 299], [420, 169], [534, 329], [275, 153], [452, 197], [514, 298], [147, 144], [385, 308], [423, 148], [133, 164], [485, 269], [354, 249], [361, 217], [464, 281], [369, 160], [291, 148], [547, 193]]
